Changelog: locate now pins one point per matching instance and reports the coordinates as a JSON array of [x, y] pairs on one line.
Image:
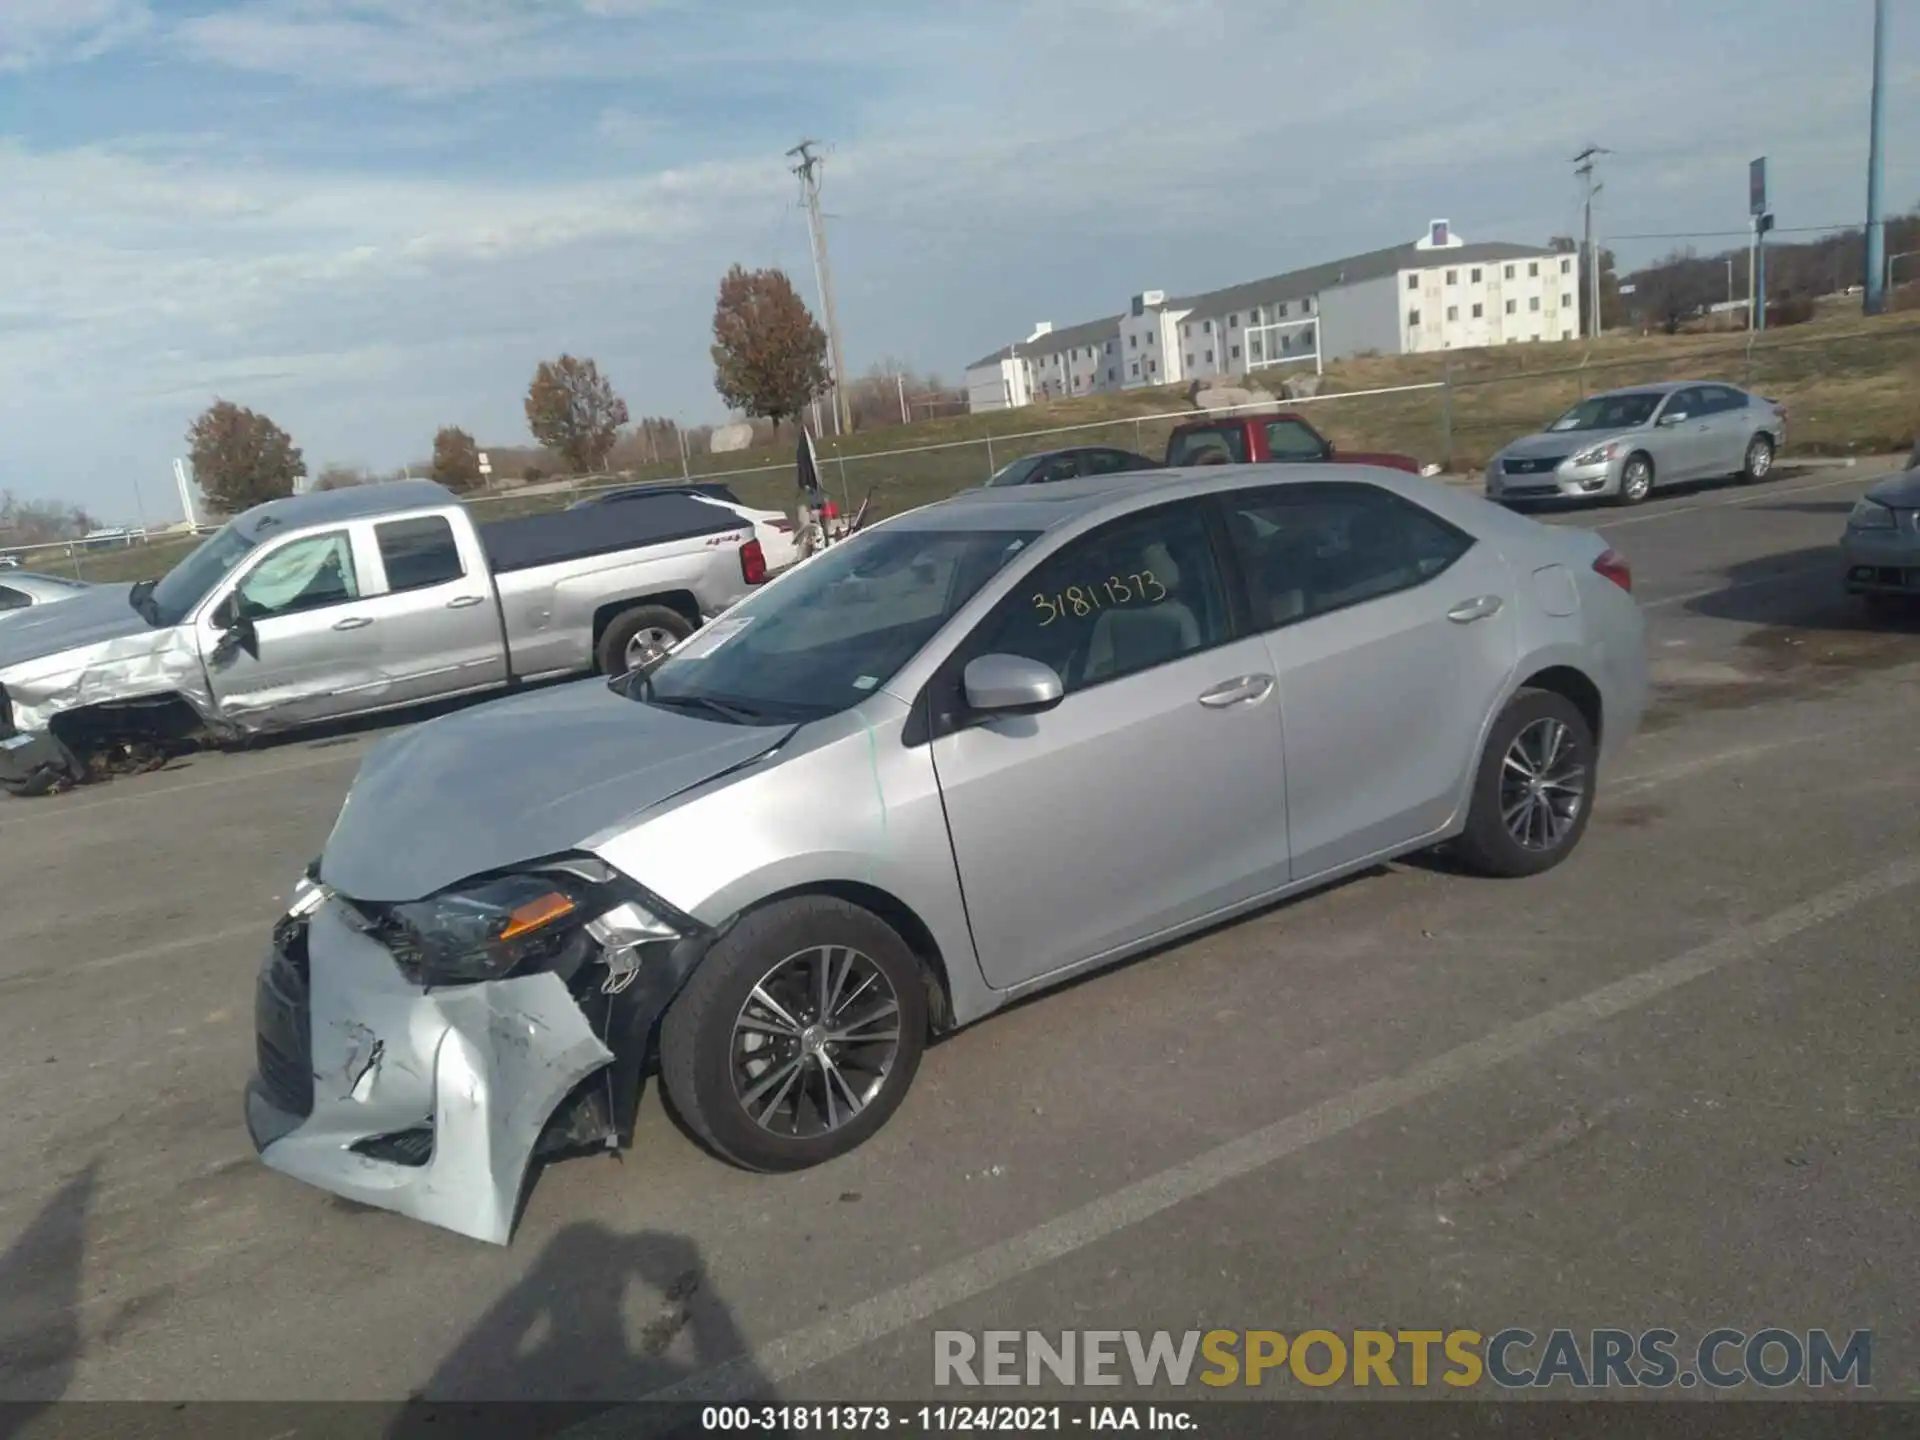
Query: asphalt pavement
[[1671, 1084]]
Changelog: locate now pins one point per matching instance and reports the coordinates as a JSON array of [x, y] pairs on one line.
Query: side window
[[1141, 592], [419, 553], [308, 574], [12, 599], [1683, 402], [1290, 440], [1311, 549], [1720, 399]]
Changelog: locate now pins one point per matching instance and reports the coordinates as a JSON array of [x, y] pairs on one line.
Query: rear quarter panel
[[549, 611]]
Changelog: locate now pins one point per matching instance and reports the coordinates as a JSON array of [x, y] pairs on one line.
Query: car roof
[[1661, 387], [355, 502]]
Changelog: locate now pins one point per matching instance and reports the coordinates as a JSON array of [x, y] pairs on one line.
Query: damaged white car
[[352, 602], [961, 756]]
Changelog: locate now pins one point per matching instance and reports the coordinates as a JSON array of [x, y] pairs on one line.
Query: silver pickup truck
[[345, 603]]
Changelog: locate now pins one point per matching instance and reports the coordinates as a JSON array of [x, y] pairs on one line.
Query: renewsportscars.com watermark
[[1512, 1359]]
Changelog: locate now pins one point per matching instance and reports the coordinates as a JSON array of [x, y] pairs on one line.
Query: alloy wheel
[[647, 644], [1543, 785], [1759, 458], [815, 1041], [1637, 480]]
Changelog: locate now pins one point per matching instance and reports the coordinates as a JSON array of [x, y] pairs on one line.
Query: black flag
[[807, 464]]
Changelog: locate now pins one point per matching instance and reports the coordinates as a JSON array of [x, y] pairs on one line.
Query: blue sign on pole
[[1757, 187]]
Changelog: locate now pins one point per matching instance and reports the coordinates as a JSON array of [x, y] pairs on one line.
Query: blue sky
[[370, 218]]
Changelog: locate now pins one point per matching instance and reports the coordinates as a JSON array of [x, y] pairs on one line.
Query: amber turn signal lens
[[535, 914]]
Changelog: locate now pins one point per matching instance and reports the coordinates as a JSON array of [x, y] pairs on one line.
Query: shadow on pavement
[[1798, 590], [574, 1331], [40, 1285]]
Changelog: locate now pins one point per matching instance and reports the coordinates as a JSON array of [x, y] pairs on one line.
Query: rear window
[[12, 599], [419, 553], [1212, 445]]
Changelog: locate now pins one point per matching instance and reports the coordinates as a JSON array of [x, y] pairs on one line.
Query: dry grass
[[1851, 385]]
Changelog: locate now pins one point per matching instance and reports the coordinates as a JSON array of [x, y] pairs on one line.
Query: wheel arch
[[681, 602]]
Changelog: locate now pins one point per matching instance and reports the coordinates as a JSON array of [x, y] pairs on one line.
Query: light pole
[[1875, 299]]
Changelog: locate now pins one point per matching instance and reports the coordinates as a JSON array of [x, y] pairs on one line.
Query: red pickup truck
[[1273, 438]]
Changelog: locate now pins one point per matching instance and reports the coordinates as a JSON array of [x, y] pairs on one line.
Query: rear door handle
[[1478, 608], [463, 601], [1243, 690], [352, 622]]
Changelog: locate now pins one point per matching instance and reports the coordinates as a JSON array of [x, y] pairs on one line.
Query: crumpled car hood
[[516, 780], [1901, 491], [1561, 442], [90, 617]]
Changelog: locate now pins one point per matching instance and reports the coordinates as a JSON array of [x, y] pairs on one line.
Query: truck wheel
[[798, 1036], [634, 636]]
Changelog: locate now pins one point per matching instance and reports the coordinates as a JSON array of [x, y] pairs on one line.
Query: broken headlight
[[490, 928]]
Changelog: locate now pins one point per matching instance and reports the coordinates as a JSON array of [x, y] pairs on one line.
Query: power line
[[1742, 234], [807, 167]]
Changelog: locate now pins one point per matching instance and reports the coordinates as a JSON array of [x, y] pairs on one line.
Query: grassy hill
[[1851, 385]]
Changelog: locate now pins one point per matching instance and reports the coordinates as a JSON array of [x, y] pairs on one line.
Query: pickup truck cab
[[350, 602], [1274, 438]]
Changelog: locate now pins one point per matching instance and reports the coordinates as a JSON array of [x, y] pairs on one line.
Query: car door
[[1392, 635], [1678, 440], [1728, 429], [309, 655], [1154, 792], [435, 621]]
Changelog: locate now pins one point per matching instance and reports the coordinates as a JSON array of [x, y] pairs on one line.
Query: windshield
[[187, 584], [1609, 412], [1220, 445], [1015, 473], [836, 631]]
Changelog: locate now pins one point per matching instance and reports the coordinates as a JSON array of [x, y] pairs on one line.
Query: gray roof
[[355, 502], [1299, 284], [1092, 332]]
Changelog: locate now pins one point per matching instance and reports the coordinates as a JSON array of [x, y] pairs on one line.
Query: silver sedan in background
[[1621, 444], [981, 748], [24, 589]]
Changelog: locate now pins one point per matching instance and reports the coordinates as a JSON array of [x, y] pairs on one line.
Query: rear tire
[[1519, 825], [633, 633], [1759, 460], [1636, 481], [723, 1053]]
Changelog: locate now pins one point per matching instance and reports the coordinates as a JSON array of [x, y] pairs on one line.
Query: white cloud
[[44, 32]]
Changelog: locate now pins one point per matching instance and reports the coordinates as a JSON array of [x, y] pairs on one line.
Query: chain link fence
[[1850, 393]]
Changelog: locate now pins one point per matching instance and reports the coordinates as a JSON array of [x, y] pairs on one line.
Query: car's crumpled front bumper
[[433, 1102]]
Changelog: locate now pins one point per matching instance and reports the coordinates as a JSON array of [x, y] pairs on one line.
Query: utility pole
[[1584, 164], [1875, 299], [807, 167]]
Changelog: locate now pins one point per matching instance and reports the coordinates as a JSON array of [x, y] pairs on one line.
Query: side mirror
[[1011, 685], [237, 632], [226, 612], [1673, 417], [1329, 451]]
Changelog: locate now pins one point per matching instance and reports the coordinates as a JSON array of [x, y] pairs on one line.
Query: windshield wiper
[[731, 711]]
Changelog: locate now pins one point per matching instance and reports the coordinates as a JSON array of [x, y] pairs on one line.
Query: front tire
[[1759, 461], [798, 1036], [1636, 481], [1533, 792], [634, 636]]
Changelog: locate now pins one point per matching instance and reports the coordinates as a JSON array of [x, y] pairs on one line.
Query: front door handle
[[352, 622], [1243, 690], [463, 601], [1478, 608]]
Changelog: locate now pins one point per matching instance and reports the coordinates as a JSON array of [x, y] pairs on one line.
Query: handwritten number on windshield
[[1078, 602]]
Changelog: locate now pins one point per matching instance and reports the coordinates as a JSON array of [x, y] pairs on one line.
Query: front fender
[[109, 672]]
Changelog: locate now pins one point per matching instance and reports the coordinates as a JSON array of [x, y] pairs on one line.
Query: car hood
[[91, 616], [1901, 491], [518, 780], [1548, 443]]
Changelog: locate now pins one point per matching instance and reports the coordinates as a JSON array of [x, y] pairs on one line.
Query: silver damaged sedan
[[972, 752], [1621, 444]]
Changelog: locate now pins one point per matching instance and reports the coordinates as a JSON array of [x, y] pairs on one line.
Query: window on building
[[1474, 275], [1233, 322], [1286, 343], [1478, 310], [1566, 334], [1509, 272], [1256, 350], [1566, 267], [1533, 269], [1133, 342], [1153, 366], [1186, 332], [1206, 327], [1189, 359], [1453, 277], [1306, 307], [1413, 317], [1234, 354], [1533, 302], [1566, 299], [1209, 357], [1136, 369], [1413, 282], [1254, 319], [1109, 347], [1076, 382], [1453, 312], [1112, 375], [1283, 309], [1511, 306], [1536, 334]]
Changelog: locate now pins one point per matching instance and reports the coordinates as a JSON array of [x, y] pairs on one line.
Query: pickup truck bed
[[534, 540]]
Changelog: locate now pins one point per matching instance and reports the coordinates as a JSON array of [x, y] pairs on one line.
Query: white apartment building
[[1435, 293]]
